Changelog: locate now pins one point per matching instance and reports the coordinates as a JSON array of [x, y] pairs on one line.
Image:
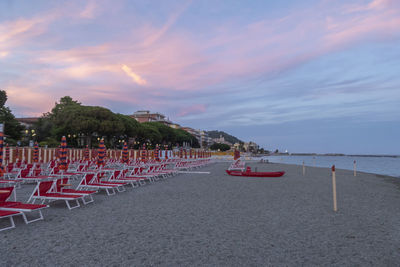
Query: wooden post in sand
[[334, 188], [355, 168], [304, 169]]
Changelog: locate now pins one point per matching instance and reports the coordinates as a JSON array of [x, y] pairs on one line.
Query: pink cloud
[[191, 110]]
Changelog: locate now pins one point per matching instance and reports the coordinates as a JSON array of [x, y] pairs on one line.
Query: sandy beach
[[218, 220]]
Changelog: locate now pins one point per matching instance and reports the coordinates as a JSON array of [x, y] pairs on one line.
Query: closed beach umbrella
[[236, 154], [157, 153], [166, 151], [62, 153], [7, 158], [143, 156], [185, 153], [36, 153], [101, 153], [181, 153], [125, 153], [87, 153], [190, 153]]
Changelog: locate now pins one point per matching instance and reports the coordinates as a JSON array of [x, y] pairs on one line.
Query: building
[[193, 132], [147, 116], [27, 122], [221, 140], [237, 146], [201, 136], [250, 147], [175, 126], [206, 141]]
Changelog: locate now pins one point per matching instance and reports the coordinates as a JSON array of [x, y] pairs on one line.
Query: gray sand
[[219, 220]]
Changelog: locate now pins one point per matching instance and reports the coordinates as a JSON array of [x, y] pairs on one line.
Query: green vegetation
[[160, 133], [12, 128], [230, 138], [85, 125], [221, 147]]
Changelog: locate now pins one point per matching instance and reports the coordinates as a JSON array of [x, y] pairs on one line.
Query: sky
[[304, 76]]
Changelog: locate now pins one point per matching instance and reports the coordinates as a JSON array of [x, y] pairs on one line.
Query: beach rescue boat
[[249, 173]]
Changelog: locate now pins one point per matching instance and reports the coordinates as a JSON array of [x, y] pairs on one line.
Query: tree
[[87, 124], [12, 128], [222, 147], [83, 124], [149, 133], [3, 98], [183, 136], [131, 125]]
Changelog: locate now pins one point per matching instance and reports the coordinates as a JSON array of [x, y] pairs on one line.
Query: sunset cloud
[[135, 77], [4, 54]]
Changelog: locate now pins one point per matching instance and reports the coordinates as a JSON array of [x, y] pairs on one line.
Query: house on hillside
[[222, 140], [147, 116]]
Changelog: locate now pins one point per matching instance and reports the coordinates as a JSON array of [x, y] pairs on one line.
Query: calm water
[[379, 165]]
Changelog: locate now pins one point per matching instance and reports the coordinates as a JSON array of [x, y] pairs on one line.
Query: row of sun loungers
[[52, 184]]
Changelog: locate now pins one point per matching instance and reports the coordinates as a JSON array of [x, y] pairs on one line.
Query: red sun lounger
[[5, 204], [89, 181], [8, 214], [60, 187], [44, 191]]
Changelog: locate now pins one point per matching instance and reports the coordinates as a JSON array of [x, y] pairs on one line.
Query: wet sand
[[219, 220]]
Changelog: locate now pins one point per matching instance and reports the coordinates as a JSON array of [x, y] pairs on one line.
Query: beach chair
[[118, 176], [5, 204], [60, 187], [44, 191], [136, 175], [89, 182], [101, 175], [9, 214]]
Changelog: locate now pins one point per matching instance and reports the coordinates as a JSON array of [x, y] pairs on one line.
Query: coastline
[[374, 165]]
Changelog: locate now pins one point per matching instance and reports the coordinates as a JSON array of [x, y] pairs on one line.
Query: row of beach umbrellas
[[62, 152]]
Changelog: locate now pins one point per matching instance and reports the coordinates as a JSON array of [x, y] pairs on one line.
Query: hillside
[[230, 138]]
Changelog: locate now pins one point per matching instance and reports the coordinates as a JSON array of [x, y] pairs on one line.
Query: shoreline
[[358, 171], [374, 165]]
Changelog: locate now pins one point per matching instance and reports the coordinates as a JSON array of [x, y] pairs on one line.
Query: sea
[[372, 164]]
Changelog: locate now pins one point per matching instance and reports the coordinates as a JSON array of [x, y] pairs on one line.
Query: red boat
[[249, 173]]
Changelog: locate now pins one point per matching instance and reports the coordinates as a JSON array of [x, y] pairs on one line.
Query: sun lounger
[[9, 214], [5, 204], [44, 191], [62, 185], [90, 182], [118, 176]]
